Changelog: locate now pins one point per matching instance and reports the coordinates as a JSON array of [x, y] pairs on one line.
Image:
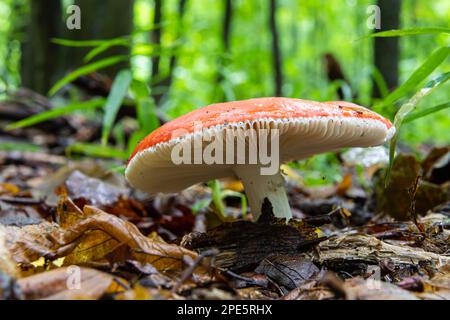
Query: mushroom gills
[[258, 187]]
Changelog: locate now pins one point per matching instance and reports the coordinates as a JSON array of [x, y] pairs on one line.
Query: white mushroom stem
[[258, 187]]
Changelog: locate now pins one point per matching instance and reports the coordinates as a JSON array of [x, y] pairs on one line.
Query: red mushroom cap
[[255, 109], [338, 124]]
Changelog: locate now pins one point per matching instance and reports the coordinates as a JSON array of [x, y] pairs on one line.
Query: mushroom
[[292, 129]]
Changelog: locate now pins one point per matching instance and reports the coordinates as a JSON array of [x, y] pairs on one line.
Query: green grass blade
[[114, 101], [57, 112], [200, 204], [118, 169], [102, 48], [426, 90], [85, 43], [134, 140], [420, 114], [380, 82], [405, 110], [86, 69], [96, 150], [410, 32], [140, 89], [418, 76], [216, 194], [145, 107], [146, 113], [407, 32], [18, 146]]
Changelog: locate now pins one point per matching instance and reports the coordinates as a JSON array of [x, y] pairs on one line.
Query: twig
[[22, 201], [190, 270]]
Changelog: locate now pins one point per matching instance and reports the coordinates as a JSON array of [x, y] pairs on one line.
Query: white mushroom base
[[258, 187]]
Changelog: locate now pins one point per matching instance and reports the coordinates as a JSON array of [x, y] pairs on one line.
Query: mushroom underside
[[205, 155]]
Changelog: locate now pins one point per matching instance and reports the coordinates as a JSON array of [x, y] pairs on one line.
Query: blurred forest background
[[74, 102], [177, 55]]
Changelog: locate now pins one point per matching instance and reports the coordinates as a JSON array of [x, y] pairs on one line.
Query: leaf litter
[[75, 230]]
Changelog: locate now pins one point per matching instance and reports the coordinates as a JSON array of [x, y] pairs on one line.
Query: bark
[[156, 36], [276, 51], [227, 19], [39, 68], [242, 245], [386, 50], [226, 35], [158, 79]]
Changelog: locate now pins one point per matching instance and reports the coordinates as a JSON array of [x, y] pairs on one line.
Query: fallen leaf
[[288, 271], [66, 284], [396, 199], [86, 236], [439, 284], [372, 289], [310, 290], [97, 192]]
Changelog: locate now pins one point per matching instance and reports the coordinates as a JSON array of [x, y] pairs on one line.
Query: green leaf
[[147, 117], [405, 110], [96, 150], [420, 114], [18, 146], [134, 140], [118, 133], [103, 47], [57, 112], [86, 69], [145, 112], [145, 106], [140, 89], [85, 43], [426, 90], [216, 190], [200, 204], [114, 101], [410, 32], [118, 169], [380, 82], [418, 76]]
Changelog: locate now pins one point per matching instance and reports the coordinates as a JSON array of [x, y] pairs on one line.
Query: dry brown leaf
[[67, 284], [396, 199], [142, 293], [111, 233], [7, 263], [371, 289], [311, 290], [344, 185], [438, 287], [86, 236], [8, 188], [29, 243]]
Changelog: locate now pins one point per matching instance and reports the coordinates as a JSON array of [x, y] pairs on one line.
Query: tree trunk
[[227, 18], [39, 67], [276, 51], [155, 36], [386, 50], [226, 35], [160, 80], [104, 19], [173, 57]]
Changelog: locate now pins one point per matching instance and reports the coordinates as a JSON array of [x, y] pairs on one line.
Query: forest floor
[[74, 229]]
